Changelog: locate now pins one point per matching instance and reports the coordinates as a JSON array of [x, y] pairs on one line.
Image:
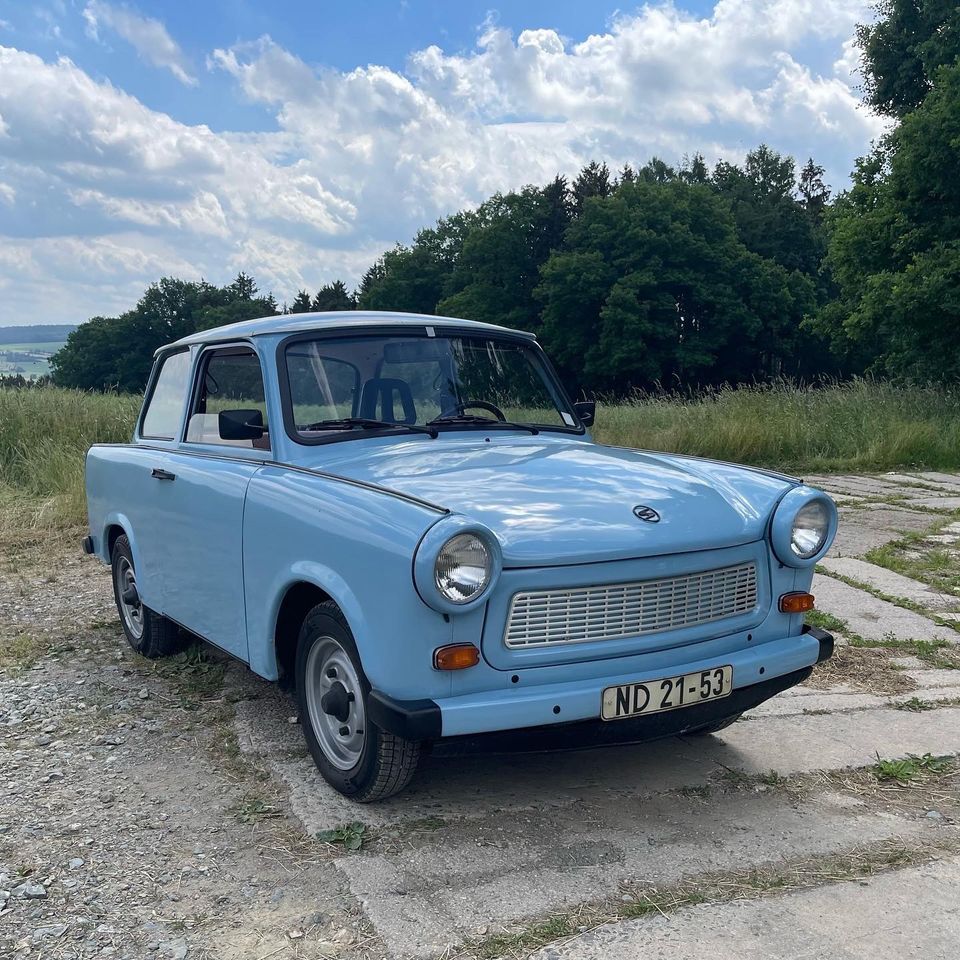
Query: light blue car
[[406, 517]]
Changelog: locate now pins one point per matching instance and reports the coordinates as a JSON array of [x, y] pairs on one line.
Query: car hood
[[552, 499]]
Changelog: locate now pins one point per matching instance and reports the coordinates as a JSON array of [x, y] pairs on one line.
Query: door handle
[[159, 474]]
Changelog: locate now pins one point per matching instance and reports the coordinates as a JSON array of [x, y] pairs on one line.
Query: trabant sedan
[[406, 518]]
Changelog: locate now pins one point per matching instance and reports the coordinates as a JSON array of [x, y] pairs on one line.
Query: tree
[[903, 50], [653, 284], [117, 352], [499, 263], [814, 193], [769, 219], [894, 247], [301, 303], [593, 181], [334, 296]]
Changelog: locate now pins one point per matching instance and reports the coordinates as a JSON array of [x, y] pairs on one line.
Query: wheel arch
[[116, 525], [308, 584]]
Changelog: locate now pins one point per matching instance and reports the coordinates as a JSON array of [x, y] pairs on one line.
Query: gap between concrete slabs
[[913, 912]]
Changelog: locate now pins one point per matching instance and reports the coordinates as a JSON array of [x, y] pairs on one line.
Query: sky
[[297, 140]]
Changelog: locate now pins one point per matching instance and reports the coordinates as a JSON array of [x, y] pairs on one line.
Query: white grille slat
[[619, 610]]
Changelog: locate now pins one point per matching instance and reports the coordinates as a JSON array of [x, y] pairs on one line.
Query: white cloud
[[7, 193], [360, 159], [147, 36]]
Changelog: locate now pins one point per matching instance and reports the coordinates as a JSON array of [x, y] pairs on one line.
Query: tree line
[[673, 275]]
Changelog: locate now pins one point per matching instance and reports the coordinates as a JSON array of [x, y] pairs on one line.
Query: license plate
[[670, 693]]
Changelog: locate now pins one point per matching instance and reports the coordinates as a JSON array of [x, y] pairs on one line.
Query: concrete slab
[[872, 618], [946, 479], [938, 503], [856, 486], [918, 482], [863, 528], [914, 912], [507, 838], [890, 583]]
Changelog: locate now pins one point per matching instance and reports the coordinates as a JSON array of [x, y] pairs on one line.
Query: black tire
[[367, 763], [150, 634], [715, 727]]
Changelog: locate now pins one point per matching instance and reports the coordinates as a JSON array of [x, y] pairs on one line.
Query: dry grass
[[871, 669]]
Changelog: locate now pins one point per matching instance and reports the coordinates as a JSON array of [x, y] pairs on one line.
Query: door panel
[[202, 511]]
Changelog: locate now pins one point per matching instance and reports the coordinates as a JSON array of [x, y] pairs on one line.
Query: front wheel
[[150, 634], [354, 755]]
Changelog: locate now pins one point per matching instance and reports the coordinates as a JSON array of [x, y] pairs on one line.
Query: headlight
[[803, 527], [463, 568], [810, 528]]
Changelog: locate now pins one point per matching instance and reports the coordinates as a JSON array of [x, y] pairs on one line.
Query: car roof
[[346, 319]]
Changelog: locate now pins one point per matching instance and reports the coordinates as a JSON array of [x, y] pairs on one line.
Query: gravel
[[122, 831]]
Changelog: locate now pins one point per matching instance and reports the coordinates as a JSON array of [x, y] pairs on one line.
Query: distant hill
[[37, 333]]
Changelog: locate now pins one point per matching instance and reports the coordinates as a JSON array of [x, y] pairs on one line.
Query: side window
[[161, 419], [231, 382]]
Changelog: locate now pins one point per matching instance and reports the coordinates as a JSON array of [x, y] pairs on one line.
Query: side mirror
[[586, 410], [240, 424]]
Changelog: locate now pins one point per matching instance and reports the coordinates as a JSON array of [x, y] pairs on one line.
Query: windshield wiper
[[348, 423], [482, 421]]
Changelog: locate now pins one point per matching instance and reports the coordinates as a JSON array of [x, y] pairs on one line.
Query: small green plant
[[826, 621], [350, 835], [255, 809], [915, 705], [911, 767]]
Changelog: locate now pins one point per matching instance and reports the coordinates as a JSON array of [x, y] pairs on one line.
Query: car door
[[136, 496], [204, 498]]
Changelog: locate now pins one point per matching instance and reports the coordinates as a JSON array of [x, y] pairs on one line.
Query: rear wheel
[[150, 634], [354, 755]]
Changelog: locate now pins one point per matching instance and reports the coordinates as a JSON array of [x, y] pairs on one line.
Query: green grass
[[826, 621], [863, 425], [44, 435], [911, 767]]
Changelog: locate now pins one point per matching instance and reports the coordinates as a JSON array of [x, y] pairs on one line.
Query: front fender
[[263, 658]]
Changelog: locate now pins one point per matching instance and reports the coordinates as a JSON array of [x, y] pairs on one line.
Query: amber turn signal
[[456, 656], [796, 602]]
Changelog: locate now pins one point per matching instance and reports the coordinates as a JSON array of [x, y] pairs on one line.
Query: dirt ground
[[169, 809]]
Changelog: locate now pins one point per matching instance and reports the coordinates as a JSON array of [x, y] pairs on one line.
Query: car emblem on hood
[[643, 512]]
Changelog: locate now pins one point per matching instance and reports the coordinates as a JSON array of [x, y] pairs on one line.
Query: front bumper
[[759, 673]]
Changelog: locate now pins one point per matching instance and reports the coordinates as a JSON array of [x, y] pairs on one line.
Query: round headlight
[[810, 528], [463, 568]]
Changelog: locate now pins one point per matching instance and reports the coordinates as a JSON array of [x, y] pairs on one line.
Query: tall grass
[[862, 425], [44, 435]]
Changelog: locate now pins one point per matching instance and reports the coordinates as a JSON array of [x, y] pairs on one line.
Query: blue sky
[[298, 140]]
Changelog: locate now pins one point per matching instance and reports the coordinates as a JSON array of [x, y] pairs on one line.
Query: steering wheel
[[476, 404]]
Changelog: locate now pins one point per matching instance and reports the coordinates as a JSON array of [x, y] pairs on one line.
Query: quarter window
[[165, 406]]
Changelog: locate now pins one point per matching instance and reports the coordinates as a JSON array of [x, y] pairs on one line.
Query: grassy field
[[44, 434], [861, 426], [36, 346]]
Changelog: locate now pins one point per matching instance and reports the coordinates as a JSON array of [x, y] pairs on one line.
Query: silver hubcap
[[335, 703], [131, 609]]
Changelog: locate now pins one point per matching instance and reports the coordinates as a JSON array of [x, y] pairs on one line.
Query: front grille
[[618, 610]]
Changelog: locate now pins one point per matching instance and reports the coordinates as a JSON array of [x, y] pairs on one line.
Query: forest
[[672, 276]]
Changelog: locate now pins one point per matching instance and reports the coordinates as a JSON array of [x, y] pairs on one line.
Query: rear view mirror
[[586, 410], [240, 424]]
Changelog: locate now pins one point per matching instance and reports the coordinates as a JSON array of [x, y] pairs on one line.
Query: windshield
[[365, 383]]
